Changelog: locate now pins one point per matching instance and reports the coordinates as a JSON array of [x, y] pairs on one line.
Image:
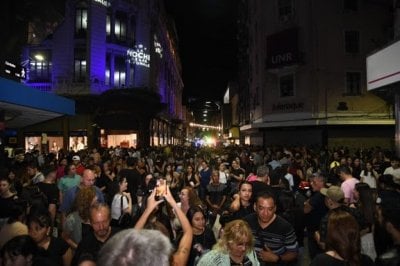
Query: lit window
[[107, 74], [352, 41], [40, 66], [80, 70], [107, 77], [120, 28], [108, 25], [120, 72], [81, 21], [353, 83], [286, 85]]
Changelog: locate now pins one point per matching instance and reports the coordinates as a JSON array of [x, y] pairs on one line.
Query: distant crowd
[[176, 205]]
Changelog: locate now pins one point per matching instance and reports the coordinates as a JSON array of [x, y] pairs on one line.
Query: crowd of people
[[177, 205]]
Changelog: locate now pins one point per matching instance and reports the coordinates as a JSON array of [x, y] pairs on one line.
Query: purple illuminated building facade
[[103, 45]]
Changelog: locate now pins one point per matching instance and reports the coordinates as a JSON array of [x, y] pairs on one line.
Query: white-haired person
[[146, 247], [235, 247]]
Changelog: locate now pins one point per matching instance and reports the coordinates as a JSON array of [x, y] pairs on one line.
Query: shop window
[[353, 83], [40, 66], [352, 41], [81, 22], [286, 85]]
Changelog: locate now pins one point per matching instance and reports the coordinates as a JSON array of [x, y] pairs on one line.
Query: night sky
[[207, 43]]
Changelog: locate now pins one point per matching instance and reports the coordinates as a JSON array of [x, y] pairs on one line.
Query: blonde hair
[[236, 232]]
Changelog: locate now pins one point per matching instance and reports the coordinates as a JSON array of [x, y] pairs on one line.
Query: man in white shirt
[[394, 169]]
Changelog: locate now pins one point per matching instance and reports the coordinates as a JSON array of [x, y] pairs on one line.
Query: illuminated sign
[[138, 56], [157, 46], [14, 70], [282, 49], [105, 3]]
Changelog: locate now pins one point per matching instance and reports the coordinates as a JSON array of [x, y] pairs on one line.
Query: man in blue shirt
[[87, 180]]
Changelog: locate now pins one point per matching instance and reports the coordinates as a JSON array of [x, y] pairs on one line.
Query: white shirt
[[368, 179], [116, 211], [394, 172], [223, 177]]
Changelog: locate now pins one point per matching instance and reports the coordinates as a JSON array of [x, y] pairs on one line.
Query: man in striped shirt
[[276, 242]]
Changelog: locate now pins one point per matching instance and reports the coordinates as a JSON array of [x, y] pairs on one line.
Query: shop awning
[[26, 106]]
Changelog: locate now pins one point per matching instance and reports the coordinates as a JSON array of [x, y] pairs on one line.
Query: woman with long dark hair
[[365, 203], [203, 236], [342, 242]]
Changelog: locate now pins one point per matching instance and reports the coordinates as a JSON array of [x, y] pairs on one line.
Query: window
[[108, 25], [40, 66], [80, 65], [285, 10], [81, 22], [350, 5], [352, 41], [286, 85], [107, 74], [120, 72], [353, 83], [120, 27]]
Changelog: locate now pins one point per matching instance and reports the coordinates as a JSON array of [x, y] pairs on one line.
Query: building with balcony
[[119, 60], [303, 78]]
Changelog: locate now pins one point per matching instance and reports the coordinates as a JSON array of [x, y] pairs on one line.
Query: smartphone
[[160, 188]]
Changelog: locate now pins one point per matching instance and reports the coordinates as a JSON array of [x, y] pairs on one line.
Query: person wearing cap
[[79, 167], [334, 200]]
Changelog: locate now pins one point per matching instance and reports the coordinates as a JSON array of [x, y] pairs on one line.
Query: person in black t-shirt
[[242, 205], [133, 177], [215, 196], [49, 188], [100, 218], [315, 209], [55, 249], [203, 237]]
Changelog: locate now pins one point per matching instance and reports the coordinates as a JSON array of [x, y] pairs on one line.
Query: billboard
[[383, 67]]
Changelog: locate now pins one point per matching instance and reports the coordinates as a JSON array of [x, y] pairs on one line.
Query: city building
[[302, 77], [119, 60], [383, 72]]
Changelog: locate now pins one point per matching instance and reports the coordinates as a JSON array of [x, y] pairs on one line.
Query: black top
[[51, 191], [327, 260], [56, 250], [134, 179], [200, 244], [6, 206], [259, 187], [319, 210], [90, 245]]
